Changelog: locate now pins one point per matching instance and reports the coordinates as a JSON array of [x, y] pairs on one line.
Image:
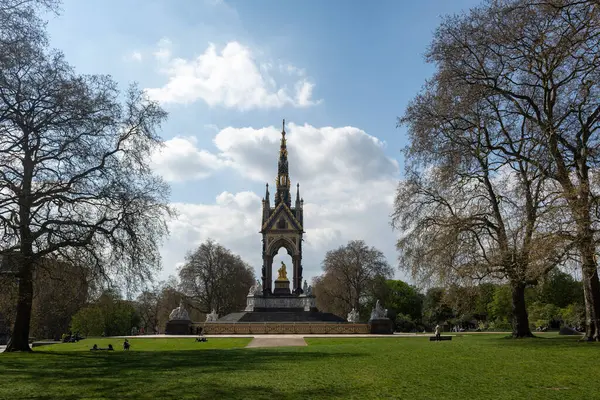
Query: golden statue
[[282, 273]]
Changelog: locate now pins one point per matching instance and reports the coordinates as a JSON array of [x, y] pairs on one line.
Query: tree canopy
[[215, 278], [75, 183], [353, 274], [499, 179]]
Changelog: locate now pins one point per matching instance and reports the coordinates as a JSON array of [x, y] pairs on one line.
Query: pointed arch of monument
[[278, 244], [294, 251]]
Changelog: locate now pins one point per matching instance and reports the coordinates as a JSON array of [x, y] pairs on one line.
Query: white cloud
[[163, 50], [212, 127], [327, 155], [134, 56], [230, 78], [347, 181], [179, 160]]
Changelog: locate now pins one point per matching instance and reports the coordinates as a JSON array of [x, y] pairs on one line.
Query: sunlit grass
[[469, 367]]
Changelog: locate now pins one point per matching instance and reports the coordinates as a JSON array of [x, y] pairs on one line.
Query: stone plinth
[[382, 326], [291, 302], [241, 328], [178, 327], [282, 288]]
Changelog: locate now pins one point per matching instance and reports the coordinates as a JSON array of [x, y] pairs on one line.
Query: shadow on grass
[[219, 373], [541, 341]]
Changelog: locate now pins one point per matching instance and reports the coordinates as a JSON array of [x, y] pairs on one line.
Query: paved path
[[284, 335], [277, 341]]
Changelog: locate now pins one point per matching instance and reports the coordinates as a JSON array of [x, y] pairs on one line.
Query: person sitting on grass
[[126, 345], [437, 332], [95, 347], [201, 338]]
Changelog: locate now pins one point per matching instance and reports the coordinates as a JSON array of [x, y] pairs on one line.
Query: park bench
[[434, 339]]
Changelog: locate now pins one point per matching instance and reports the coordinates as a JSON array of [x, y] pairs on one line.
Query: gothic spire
[[267, 194], [283, 177], [283, 147]]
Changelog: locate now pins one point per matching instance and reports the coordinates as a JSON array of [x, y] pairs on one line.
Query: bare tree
[[60, 290], [148, 305], [20, 24], [351, 277], [215, 278], [540, 63], [155, 303], [75, 184], [467, 210], [331, 295]]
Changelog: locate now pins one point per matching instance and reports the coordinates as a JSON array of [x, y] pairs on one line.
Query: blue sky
[[339, 72]]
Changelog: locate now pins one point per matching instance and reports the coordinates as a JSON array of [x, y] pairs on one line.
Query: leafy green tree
[[573, 315], [435, 310], [109, 316], [405, 323], [89, 321], [544, 314], [560, 289], [401, 298], [485, 296], [501, 306]]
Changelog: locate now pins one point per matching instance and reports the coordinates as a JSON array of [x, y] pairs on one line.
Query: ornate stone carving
[[353, 316], [378, 312], [304, 302], [179, 313], [212, 317], [256, 289]]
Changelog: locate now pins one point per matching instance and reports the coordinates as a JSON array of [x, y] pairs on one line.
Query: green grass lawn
[[468, 367]]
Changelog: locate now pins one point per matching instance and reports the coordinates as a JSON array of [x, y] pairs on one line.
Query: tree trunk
[[591, 293], [520, 325], [19, 340]]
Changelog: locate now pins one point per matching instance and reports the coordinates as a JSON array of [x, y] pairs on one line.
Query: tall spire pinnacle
[[283, 178], [283, 147]]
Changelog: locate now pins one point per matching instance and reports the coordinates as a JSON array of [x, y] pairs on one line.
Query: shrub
[[573, 315], [404, 323], [500, 324]]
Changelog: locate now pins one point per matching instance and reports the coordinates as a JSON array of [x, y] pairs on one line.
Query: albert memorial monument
[[285, 304]]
